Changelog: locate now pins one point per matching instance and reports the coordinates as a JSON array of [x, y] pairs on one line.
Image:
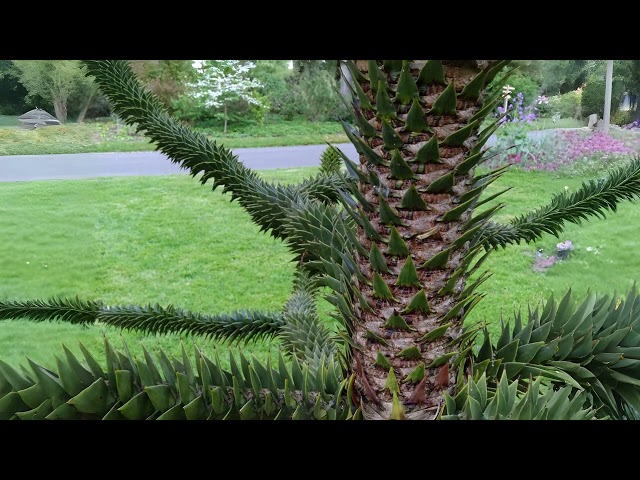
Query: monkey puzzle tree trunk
[[418, 121]]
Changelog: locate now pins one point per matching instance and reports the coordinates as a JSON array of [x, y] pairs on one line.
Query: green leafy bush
[[282, 96], [565, 104], [318, 98], [593, 95], [524, 83], [622, 117], [193, 112]]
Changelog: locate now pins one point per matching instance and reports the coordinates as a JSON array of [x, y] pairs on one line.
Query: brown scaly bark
[[416, 134]]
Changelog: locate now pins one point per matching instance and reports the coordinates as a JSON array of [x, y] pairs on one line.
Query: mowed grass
[[132, 241], [170, 240], [612, 264], [104, 137]]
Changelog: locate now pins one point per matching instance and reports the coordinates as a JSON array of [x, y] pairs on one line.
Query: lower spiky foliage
[[171, 389], [392, 244], [507, 401], [593, 346]]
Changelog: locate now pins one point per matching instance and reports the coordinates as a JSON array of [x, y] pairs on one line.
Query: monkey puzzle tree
[[391, 244]]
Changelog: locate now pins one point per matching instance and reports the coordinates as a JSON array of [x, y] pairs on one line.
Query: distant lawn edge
[[248, 142], [144, 146]]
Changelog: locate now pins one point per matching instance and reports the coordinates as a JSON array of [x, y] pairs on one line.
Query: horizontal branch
[[237, 326], [593, 198]]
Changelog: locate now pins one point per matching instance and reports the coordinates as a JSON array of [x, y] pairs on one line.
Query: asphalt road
[[16, 168]]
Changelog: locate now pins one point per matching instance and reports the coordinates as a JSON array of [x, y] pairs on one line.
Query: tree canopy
[[55, 81]]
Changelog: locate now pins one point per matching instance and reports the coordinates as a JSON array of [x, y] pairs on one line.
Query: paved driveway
[[14, 168]]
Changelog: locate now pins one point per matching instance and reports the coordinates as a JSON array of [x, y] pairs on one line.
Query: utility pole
[[607, 95]]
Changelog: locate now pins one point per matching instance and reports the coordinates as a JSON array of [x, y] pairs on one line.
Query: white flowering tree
[[222, 81]]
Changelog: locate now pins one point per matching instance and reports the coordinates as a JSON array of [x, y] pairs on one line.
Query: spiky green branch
[[70, 310], [330, 161], [316, 231], [265, 202], [303, 335], [237, 326], [139, 388], [593, 346], [477, 401], [593, 198]]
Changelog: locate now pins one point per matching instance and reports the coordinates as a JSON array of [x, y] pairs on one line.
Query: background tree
[[523, 81], [55, 81], [318, 87], [12, 92], [560, 80], [287, 90], [560, 76], [219, 83], [167, 79], [82, 97], [278, 86], [626, 78], [318, 91], [308, 89]]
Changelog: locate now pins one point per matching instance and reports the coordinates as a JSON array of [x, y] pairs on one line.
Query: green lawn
[[9, 121], [170, 240], [546, 123], [613, 262], [107, 137], [131, 240]]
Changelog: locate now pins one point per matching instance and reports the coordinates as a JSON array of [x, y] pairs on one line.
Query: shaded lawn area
[[167, 239]]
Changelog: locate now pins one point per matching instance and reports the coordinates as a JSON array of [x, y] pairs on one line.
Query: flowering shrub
[[542, 104], [572, 151], [574, 145], [587, 153], [517, 144]]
